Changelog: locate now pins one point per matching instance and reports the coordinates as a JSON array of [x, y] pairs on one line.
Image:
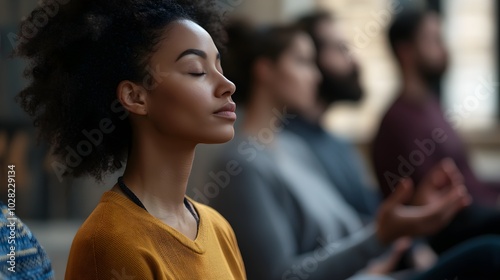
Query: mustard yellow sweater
[[122, 241]]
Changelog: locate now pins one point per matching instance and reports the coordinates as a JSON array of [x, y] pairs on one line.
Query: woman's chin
[[221, 137]]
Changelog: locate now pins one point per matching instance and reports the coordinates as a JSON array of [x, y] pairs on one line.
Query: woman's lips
[[227, 111], [226, 114]]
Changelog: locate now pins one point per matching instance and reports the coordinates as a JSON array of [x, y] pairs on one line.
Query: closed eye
[[198, 74]]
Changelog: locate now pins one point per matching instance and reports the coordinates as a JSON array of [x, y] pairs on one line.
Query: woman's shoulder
[[111, 241], [110, 218]]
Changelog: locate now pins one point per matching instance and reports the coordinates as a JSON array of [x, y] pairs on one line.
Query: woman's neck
[[157, 173]]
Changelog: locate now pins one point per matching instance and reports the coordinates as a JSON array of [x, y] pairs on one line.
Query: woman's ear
[[132, 97]]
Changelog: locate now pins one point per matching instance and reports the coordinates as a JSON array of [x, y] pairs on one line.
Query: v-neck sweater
[[120, 240]]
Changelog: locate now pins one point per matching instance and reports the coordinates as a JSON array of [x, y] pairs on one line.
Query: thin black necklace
[[137, 201]]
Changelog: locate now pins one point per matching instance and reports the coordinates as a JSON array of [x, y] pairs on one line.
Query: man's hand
[[440, 180], [395, 219]]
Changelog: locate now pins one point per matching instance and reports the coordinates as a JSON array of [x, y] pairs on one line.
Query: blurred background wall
[[55, 209]]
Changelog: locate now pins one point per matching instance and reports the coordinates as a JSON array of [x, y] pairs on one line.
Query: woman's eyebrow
[[196, 52], [199, 53]]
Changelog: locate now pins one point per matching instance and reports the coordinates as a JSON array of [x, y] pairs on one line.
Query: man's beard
[[334, 88], [432, 75]]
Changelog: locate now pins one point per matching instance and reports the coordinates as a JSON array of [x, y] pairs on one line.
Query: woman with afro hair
[[134, 82]]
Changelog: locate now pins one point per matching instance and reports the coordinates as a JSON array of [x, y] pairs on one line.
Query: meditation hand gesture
[[424, 212]]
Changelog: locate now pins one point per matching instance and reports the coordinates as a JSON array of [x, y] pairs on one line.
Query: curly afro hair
[[78, 55]]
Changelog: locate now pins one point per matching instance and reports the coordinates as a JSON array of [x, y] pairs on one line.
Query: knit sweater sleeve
[[21, 254]]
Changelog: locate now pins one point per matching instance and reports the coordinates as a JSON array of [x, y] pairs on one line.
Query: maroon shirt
[[412, 138]]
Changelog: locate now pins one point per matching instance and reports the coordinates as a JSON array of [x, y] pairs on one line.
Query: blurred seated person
[[340, 83], [291, 222], [414, 134]]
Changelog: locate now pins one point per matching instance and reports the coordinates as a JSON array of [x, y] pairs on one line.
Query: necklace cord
[[137, 201]]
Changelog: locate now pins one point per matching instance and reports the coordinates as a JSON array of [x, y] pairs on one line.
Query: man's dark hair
[[405, 26], [79, 55]]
